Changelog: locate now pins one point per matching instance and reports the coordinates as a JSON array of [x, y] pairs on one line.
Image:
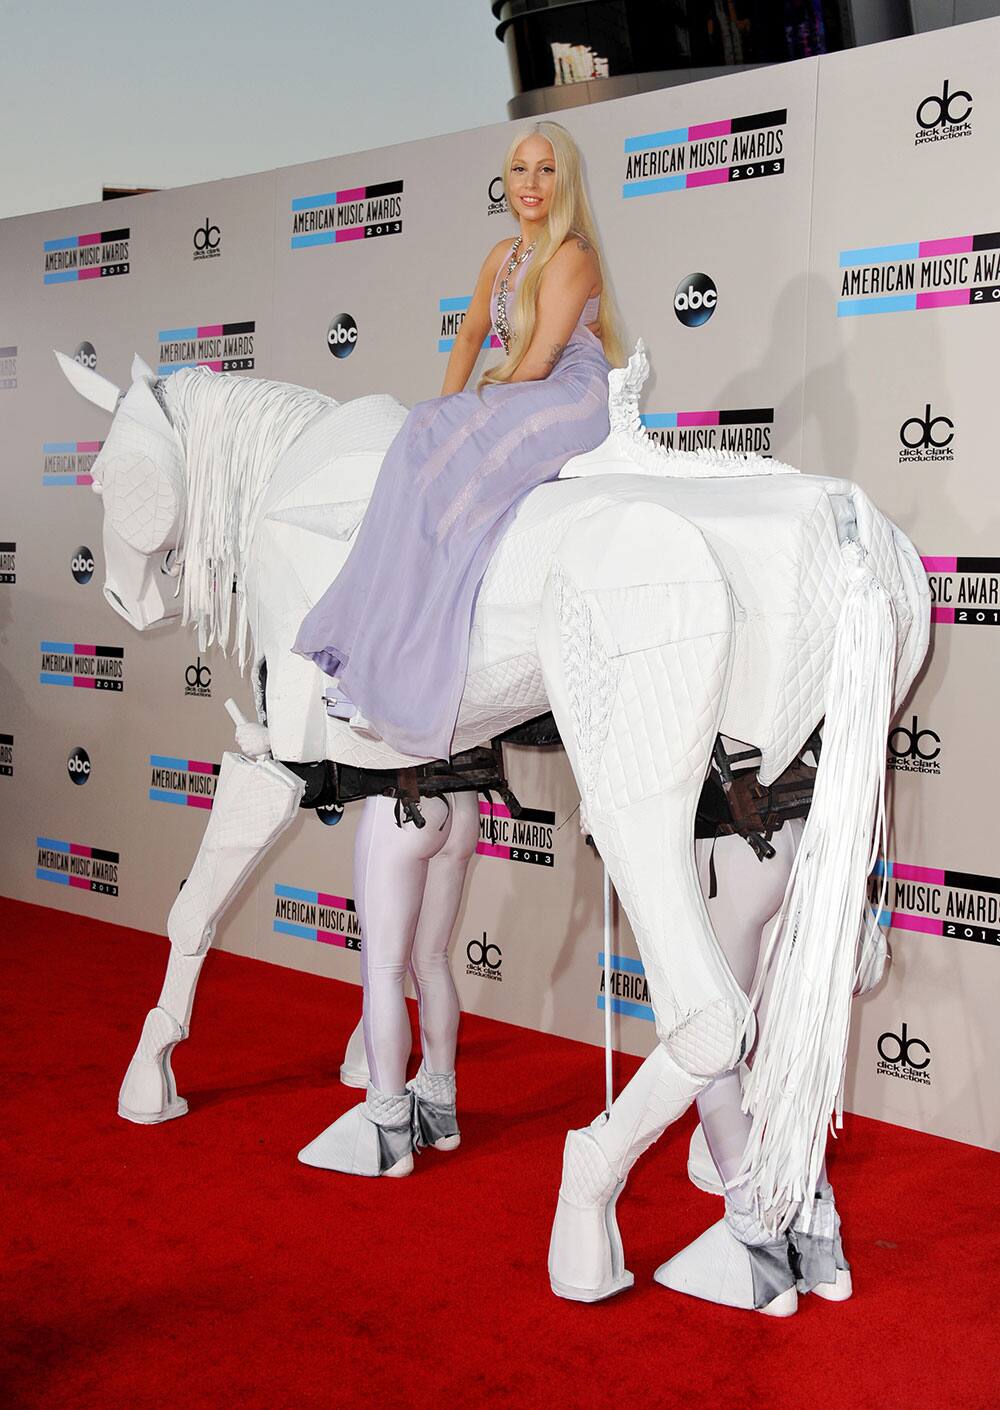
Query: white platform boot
[[373, 1138], [435, 1121], [586, 1260], [736, 1263]]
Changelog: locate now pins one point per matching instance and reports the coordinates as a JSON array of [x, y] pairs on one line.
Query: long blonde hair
[[569, 212]]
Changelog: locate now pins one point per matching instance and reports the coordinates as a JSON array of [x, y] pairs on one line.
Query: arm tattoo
[[583, 245], [555, 353]]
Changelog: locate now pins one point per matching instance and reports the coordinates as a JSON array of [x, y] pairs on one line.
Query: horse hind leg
[[255, 800], [634, 641]]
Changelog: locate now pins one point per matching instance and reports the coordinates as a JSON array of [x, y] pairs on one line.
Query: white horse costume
[[651, 600]]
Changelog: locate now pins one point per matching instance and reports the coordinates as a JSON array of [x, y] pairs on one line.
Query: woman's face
[[533, 180]]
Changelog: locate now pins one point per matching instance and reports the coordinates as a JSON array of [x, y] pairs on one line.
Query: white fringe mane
[[233, 430]]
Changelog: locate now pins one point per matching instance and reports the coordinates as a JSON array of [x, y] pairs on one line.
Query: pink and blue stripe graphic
[[460, 305], [317, 899], [70, 448], [73, 649], [699, 132], [678, 420], [329, 200], [950, 564], [624, 964], [182, 796], [914, 250]]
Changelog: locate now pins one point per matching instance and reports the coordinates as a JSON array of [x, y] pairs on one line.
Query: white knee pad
[[712, 1040]]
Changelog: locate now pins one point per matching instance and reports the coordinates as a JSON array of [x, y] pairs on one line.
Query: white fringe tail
[[795, 1089]]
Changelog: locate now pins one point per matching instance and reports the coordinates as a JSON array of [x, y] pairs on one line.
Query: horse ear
[[89, 384], [141, 371]]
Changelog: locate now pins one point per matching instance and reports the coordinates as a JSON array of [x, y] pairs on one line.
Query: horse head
[[139, 475]]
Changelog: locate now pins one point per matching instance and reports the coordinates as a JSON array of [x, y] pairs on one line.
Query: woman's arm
[[567, 283], [475, 325]]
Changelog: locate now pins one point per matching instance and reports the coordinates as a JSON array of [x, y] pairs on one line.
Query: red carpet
[[197, 1264]]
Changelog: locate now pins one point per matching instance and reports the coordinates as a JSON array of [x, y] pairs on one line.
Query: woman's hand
[[475, 326], [567, 283]]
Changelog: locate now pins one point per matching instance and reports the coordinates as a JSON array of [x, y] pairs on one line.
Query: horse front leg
[[634, 641], [255, 800]]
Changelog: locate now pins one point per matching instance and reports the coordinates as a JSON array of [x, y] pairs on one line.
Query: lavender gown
[[395, 624]]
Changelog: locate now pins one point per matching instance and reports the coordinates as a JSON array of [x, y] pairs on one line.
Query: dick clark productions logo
[[342, 335], [695, 300], [904, 1057], [484, 959]]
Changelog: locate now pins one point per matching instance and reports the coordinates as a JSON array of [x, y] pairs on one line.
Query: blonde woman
[[394, 627]]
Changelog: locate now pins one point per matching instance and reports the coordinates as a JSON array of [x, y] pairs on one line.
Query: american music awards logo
[[964, 591], [718, 153], [74, 864], [629, 990], [527, 838], [956, 272], [357, 213], [746, 431], [8, 369], [6, 755], [956, 905], [451, 316], [69, 462], [8, 562], [96, 256], [222, 347], [943, 116], [189, 782], [92, 667], [316, 915], [926, 437]]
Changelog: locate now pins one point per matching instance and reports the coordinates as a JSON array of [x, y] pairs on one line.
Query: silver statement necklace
[[503, 327]]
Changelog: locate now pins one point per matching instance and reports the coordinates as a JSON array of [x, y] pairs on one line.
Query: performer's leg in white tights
[[748, 895], [408, 886]]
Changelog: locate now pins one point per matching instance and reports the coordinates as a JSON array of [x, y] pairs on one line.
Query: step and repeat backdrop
[[811, 253]]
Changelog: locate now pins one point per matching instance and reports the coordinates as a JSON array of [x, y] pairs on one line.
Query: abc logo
[[330, 815], [695, 300], [342, 335], [207, 237], [78, 765], [919, 434], [938, 111], [479, 952], [86, 356], [82, 565], [906, 743], [897, 1047]]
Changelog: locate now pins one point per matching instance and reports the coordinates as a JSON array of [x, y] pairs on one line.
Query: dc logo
[[82, 566], [497, 197], [330, 816], [78, 765], [906, 743], [207, 237], [478, 953], [342, 335], [938, 110], [695, 300], [86, 356], [919, 432], [198, 679], [896, 1048]]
